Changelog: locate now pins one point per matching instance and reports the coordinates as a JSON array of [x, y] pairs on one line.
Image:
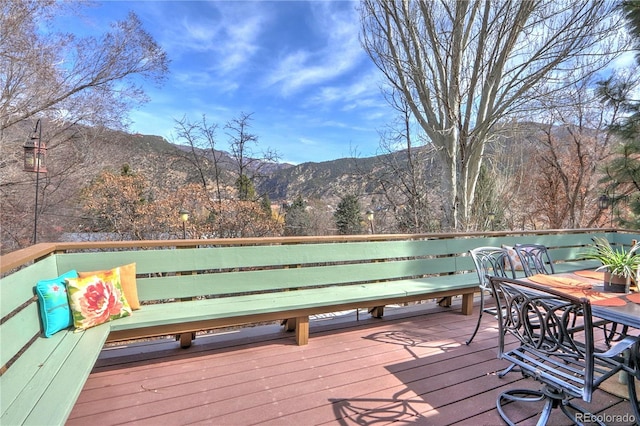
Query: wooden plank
[[25, 256], [58, 366], [625, 239], [576, 265], [17, 288], [25, 367], [416, 367], [146, 260], [170, 261], [56, 403], [16, 332]]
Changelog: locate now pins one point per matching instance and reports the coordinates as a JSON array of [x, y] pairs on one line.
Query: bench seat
[[193, 315], [50, 373]]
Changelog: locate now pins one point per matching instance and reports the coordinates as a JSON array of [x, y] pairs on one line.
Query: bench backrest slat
[[17, 288], [19, 308], [225, 283], [194, 259], [18, 331]]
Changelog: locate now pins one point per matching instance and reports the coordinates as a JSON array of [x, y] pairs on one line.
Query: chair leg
[[479, 317], [586, 414], [553, 399], [506, 370], [524, 395], [633, 397]]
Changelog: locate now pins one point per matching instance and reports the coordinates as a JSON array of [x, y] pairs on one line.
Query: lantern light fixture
[[603, 201], [35, 151], [184, 217], [35, 154]]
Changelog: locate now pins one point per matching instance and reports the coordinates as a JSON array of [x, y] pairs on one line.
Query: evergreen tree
[[347, 216], [266, 204], [297, 220], [623, 171], [246, 189]]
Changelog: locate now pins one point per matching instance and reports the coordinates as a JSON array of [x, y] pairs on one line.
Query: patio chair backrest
[[494, 261], [535, 259], [554, 331]]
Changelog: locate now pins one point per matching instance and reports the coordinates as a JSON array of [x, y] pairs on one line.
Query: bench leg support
[[185, 339], [445, 302], [289, 324], [302, 330], [467, 303], [377, 311]]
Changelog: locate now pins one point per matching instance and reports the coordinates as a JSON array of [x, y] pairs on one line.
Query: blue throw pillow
[[54, 304]]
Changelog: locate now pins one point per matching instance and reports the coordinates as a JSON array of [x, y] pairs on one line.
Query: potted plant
[[620, 266]]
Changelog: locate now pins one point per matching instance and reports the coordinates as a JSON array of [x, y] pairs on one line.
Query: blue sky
[[297, 66]]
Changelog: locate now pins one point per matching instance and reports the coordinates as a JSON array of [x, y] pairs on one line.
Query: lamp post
[[184, 217], [35, 154], [370, 219]]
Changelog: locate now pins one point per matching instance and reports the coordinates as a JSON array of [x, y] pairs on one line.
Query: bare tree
[[98, 81], [189, 133], [208, 134], [403, 171], [463, 66], [78, 87], [574, 141], [247, 162]]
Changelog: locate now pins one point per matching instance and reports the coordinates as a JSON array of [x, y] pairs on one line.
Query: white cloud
[[341, 52], [224, 35], [240, 38], [307, 141]]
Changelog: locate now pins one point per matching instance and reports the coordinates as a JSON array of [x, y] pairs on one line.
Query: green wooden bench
[[227, 282], [187, 290], [41, 377]]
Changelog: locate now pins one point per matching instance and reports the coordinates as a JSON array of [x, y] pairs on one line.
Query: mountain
[[77, 155]]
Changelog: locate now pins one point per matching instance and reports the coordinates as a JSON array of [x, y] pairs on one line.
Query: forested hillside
[[382, 184]]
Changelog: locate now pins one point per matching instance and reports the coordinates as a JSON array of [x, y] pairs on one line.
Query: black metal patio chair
[[489, 261], [554, 344], [535, 259]]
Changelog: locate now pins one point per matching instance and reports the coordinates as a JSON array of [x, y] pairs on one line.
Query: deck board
[[411, 367]]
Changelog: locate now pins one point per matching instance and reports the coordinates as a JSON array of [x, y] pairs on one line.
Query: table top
[[617, 307]]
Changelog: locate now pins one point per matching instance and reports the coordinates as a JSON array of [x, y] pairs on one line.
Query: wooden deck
[[408, 368]]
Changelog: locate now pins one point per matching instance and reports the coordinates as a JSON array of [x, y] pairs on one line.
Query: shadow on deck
[[412, 367]]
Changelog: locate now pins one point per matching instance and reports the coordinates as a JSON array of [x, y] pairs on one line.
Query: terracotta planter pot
[[616, 283]]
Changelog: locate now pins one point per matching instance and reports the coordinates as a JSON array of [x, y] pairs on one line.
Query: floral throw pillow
[[54, 304], [97, 299], [127, 280]]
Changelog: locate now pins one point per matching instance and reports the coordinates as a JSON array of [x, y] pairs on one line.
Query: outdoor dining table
[[620, 308]]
